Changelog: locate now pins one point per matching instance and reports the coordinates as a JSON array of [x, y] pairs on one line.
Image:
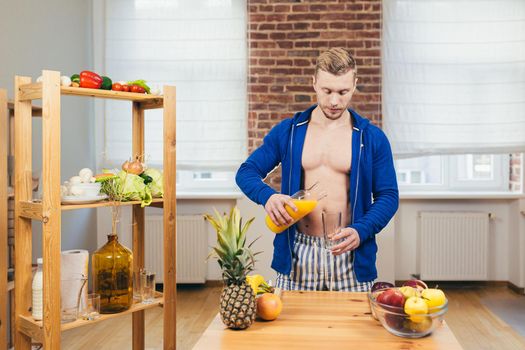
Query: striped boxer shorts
[[315, 268]]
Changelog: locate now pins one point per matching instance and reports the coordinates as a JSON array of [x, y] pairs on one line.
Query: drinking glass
[[71, 294], [137, 284], [331, 226], [91, 308], [147, 286]]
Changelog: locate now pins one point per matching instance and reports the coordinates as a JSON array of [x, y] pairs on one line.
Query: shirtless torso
[[327, 155]]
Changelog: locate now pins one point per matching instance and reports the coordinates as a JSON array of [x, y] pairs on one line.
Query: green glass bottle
[[112, 266]]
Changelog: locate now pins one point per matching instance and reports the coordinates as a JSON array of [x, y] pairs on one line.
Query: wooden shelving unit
[[9, 298], [3, 218], [49, 210]]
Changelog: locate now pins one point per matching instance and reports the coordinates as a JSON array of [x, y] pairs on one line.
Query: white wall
[[506, 242], [517, 244], [56, 35]]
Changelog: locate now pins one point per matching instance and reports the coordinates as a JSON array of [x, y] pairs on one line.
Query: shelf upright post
[[51, 211], [170, 218], [23, 190], [138, 223]]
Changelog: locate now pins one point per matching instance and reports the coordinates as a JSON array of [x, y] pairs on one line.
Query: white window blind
[[200, 47], [454, 76]]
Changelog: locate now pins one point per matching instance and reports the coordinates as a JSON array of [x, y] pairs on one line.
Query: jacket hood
[[359, 122]]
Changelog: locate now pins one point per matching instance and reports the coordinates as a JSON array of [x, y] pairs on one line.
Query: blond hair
[[336, 61]]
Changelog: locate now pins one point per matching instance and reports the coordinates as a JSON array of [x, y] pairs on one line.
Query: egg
[[85, 174], [64, 190], [75, 180]]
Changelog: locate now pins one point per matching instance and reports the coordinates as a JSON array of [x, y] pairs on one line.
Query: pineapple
[[238, 306]]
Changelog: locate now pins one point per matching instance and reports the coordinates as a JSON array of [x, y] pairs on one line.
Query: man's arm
[[262, 161], [384, 191]]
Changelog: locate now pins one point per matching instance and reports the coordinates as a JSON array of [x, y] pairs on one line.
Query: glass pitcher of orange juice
[[305, 201]]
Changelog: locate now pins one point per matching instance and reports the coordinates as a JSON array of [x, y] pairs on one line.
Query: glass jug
[[112, 276], [305, 201]]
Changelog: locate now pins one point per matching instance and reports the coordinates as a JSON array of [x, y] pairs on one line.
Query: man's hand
[[275, 209], [350, 241]]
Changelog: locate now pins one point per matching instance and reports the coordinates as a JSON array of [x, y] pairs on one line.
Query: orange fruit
[[269, 306]]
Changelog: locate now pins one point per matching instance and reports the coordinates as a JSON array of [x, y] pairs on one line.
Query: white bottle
[[38, 291]]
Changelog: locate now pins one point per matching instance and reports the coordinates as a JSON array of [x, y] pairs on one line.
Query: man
[[352, 161]]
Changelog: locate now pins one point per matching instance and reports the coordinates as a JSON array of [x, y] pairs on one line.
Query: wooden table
[[321, 320]]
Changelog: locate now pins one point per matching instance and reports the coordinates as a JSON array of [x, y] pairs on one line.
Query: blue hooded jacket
[[374, 196]]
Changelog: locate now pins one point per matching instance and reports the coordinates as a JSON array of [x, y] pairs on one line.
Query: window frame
[[451, 181]]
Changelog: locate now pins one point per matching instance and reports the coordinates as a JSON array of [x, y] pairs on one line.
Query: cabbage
[[157, 185], [132, 188]]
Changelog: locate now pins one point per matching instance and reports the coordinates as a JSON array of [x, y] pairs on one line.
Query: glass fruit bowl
[[396, 321]]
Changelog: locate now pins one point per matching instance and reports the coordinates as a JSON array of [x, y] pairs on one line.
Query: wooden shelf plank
[[34, 329], [36, 110], [33, 210], [117, 95], [106, 204], [32, 91]]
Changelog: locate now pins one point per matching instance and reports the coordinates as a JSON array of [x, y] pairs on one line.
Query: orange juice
[[304, 207]]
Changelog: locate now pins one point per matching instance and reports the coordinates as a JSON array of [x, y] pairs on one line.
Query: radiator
[[192, 248], [453, 246]]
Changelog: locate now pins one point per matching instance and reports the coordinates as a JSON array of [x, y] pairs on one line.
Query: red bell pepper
[[90, 80]]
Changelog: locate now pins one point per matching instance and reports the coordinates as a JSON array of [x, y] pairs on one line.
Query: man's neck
[[318, 117]]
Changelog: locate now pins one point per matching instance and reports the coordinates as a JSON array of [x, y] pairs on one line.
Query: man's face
[[334, 92]]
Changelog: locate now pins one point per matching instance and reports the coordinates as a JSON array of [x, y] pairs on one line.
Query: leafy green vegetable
[[157, 184], [134, 189], [141, 83], [147, 179], [127, 187]]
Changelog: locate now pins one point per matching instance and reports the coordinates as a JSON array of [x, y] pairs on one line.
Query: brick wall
[[515, 172], [285, 38]]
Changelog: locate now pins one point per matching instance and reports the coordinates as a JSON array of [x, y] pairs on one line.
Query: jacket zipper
[[290, 192], [358, 168], [357, 187]]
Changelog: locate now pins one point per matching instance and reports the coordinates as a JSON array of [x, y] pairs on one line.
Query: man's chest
[[328, 148]]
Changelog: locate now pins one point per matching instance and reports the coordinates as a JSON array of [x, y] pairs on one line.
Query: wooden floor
[[472, 323]]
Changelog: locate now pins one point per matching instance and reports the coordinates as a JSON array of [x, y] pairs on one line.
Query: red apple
[[391, 297]]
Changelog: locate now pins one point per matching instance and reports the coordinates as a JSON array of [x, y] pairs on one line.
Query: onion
[[381, 285], [135, 167]]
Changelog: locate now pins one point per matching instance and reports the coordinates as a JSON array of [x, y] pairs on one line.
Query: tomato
[[116, 87], [125, 88], [137, 89]]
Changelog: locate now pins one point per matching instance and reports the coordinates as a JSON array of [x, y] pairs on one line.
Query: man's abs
[[326, 159]]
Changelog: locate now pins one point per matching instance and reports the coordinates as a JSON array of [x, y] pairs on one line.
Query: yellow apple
[[415, 306], [408, 291], [434, 297]]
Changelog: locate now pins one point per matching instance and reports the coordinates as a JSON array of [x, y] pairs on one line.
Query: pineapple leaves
[[234, 258]]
